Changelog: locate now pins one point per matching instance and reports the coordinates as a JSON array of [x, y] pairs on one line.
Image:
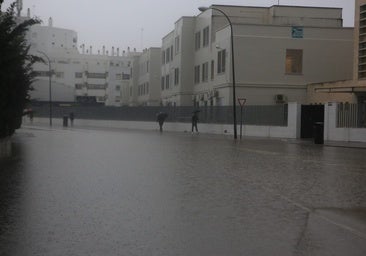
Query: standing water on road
[[109, 192]]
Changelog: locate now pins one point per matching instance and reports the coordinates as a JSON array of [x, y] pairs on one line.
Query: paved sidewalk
[[345, 144], [154, 126]]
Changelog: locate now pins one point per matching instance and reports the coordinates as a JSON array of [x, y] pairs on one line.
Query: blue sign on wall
[[297, 32]]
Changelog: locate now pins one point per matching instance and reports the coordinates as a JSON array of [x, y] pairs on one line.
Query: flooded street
[[120, 192]]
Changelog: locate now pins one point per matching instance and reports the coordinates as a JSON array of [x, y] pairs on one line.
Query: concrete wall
[[332, 133], [292, 130]]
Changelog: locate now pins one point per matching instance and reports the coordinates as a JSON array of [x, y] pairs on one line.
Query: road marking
[[314, 212]]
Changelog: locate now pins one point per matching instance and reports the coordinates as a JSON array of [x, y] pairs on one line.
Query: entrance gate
[[310, 114]]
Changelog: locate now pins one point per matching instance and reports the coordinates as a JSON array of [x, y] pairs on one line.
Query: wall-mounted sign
[[297, 32]]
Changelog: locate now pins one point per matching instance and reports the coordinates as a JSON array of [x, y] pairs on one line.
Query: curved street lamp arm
[[233, 65]]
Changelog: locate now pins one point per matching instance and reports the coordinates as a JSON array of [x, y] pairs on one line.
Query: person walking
[[195, 121], [160, 118], [71, 116], [30, 113]]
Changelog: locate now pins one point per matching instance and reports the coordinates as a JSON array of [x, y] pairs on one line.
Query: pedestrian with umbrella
[[195, 120], [160, 118]]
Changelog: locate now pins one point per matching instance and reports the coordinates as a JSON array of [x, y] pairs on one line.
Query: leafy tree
[[16, 74]]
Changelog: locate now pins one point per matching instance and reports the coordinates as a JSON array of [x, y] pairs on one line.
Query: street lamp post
[[202, 9], [49, 86]]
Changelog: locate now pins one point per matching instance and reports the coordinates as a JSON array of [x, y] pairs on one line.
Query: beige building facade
[[279, 50]]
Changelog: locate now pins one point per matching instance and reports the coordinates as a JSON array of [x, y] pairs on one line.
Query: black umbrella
[[161, 115]]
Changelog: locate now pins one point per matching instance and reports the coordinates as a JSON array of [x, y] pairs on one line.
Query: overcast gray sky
[[141, 23]]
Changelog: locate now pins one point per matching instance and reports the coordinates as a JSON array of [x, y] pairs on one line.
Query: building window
[[212, 69], [171, 53], [97, 75], [59, 74], [206, 36], [118, 87], [197, 40], [96, 86], [362, 44], [205, 72], [163, 57], [176, 76], [167, 81], [294, 61], [197, 74], [221, 61], [78, 75], [42, 73], [118, 76], [177, 44], [78, 86], [167, 54], [126, 76], [147, 88], [162, 83]]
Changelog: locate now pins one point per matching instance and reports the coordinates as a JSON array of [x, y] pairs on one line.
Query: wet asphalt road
[[120, 192]]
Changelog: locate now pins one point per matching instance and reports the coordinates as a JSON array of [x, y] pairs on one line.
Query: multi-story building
[[278, 51], [359, 74], [78, 76], [145, 82], [352, 90], [177, 58]]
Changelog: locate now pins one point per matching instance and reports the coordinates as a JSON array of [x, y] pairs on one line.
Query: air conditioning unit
[[280, 98]]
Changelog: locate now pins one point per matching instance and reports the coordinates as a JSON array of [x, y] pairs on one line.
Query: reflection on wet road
[[99, 192]]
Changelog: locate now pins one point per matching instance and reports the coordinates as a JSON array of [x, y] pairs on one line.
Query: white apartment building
[[177, 60], [145, 82], [84, 76], [278, 51]]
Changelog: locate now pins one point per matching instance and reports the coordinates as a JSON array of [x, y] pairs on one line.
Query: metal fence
[[275, 115], [351, 115]]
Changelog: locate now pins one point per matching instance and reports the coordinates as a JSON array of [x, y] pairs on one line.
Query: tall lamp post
[[49, 86], [202, 9]]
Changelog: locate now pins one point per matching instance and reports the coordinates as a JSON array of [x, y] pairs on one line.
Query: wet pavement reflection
[[120, 192]]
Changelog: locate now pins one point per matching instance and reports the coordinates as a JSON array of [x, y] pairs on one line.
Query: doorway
[[310, 114]]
